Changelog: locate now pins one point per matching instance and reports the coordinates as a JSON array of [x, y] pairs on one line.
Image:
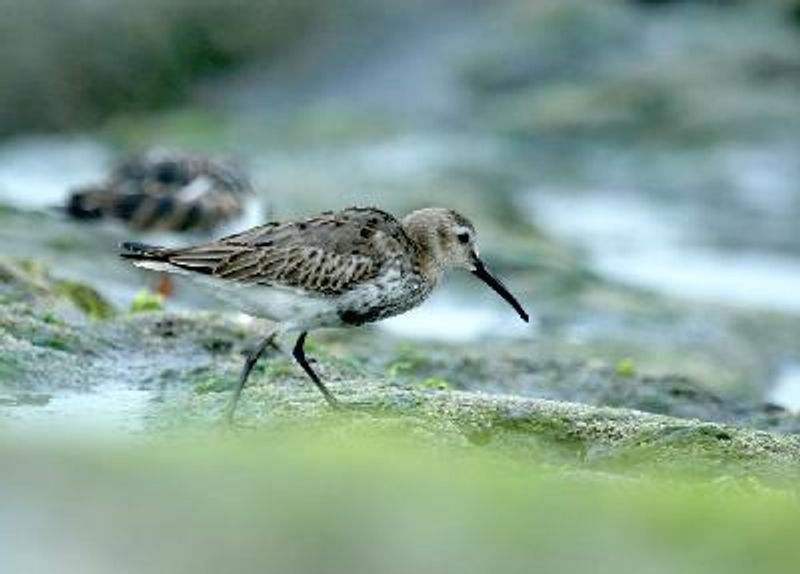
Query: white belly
[[293, 307]]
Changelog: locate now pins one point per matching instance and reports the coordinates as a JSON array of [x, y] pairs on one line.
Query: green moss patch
[[146, 301], [86, 298]]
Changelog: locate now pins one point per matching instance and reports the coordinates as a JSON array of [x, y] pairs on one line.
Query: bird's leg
[[300, 356], [165, 287], [273, 345], [250, 362]]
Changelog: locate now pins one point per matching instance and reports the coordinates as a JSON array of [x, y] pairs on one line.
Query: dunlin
[[337, 269], [165, 191]]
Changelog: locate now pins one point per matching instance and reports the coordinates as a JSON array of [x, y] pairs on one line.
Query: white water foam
[[648, 245]]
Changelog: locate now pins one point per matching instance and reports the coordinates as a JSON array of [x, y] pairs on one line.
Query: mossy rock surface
[[179, 368], [571, 434]]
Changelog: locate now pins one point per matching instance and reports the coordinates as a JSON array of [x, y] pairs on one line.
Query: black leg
[[250, 362], [300, 355]]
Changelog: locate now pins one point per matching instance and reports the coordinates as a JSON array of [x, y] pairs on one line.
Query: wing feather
[[328, 254]]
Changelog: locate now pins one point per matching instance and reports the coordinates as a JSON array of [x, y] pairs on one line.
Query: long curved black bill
[[483, 274]]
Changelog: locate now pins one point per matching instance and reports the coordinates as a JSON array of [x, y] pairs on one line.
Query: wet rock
[[26, 279], [85, 297], [184, 365], [531, 371], [559, 432]]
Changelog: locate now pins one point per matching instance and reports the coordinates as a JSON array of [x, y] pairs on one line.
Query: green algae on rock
[[169, 356], [85, 297], [146, 301], [29, 279]]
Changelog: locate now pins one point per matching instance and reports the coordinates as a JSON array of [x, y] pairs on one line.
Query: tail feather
[[142, 251]]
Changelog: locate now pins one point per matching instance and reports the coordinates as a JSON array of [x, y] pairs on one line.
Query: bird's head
[[447, 240]]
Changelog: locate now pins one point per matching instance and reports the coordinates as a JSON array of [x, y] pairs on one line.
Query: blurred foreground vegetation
[[325, 498]]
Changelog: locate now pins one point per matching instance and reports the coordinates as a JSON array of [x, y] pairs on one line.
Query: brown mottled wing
[[328, 254]]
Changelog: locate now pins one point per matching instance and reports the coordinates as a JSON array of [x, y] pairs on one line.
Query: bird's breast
[[388, 294]]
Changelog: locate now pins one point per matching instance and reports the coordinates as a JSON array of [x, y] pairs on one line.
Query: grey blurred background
[[632, 166]]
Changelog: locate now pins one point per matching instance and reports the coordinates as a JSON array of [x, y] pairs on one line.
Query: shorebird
[[336, 269], [159, 190], [165, 191]]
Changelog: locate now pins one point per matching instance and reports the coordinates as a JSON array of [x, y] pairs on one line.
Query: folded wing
[[327, 254]]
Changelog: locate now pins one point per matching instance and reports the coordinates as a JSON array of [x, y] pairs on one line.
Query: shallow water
[[661, 248], [452, 317], [106, 409], [786, 388], [36, 172]]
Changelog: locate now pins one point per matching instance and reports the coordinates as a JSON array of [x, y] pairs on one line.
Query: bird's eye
[[463, 237]]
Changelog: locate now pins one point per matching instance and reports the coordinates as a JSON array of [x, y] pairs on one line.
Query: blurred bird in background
[[168, 192]]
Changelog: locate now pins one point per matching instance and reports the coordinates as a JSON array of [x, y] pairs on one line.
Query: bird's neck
[[427, 246]]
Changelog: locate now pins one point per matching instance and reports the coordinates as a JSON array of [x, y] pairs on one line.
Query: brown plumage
[[327, 254], [336, 269], [163, 191]]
